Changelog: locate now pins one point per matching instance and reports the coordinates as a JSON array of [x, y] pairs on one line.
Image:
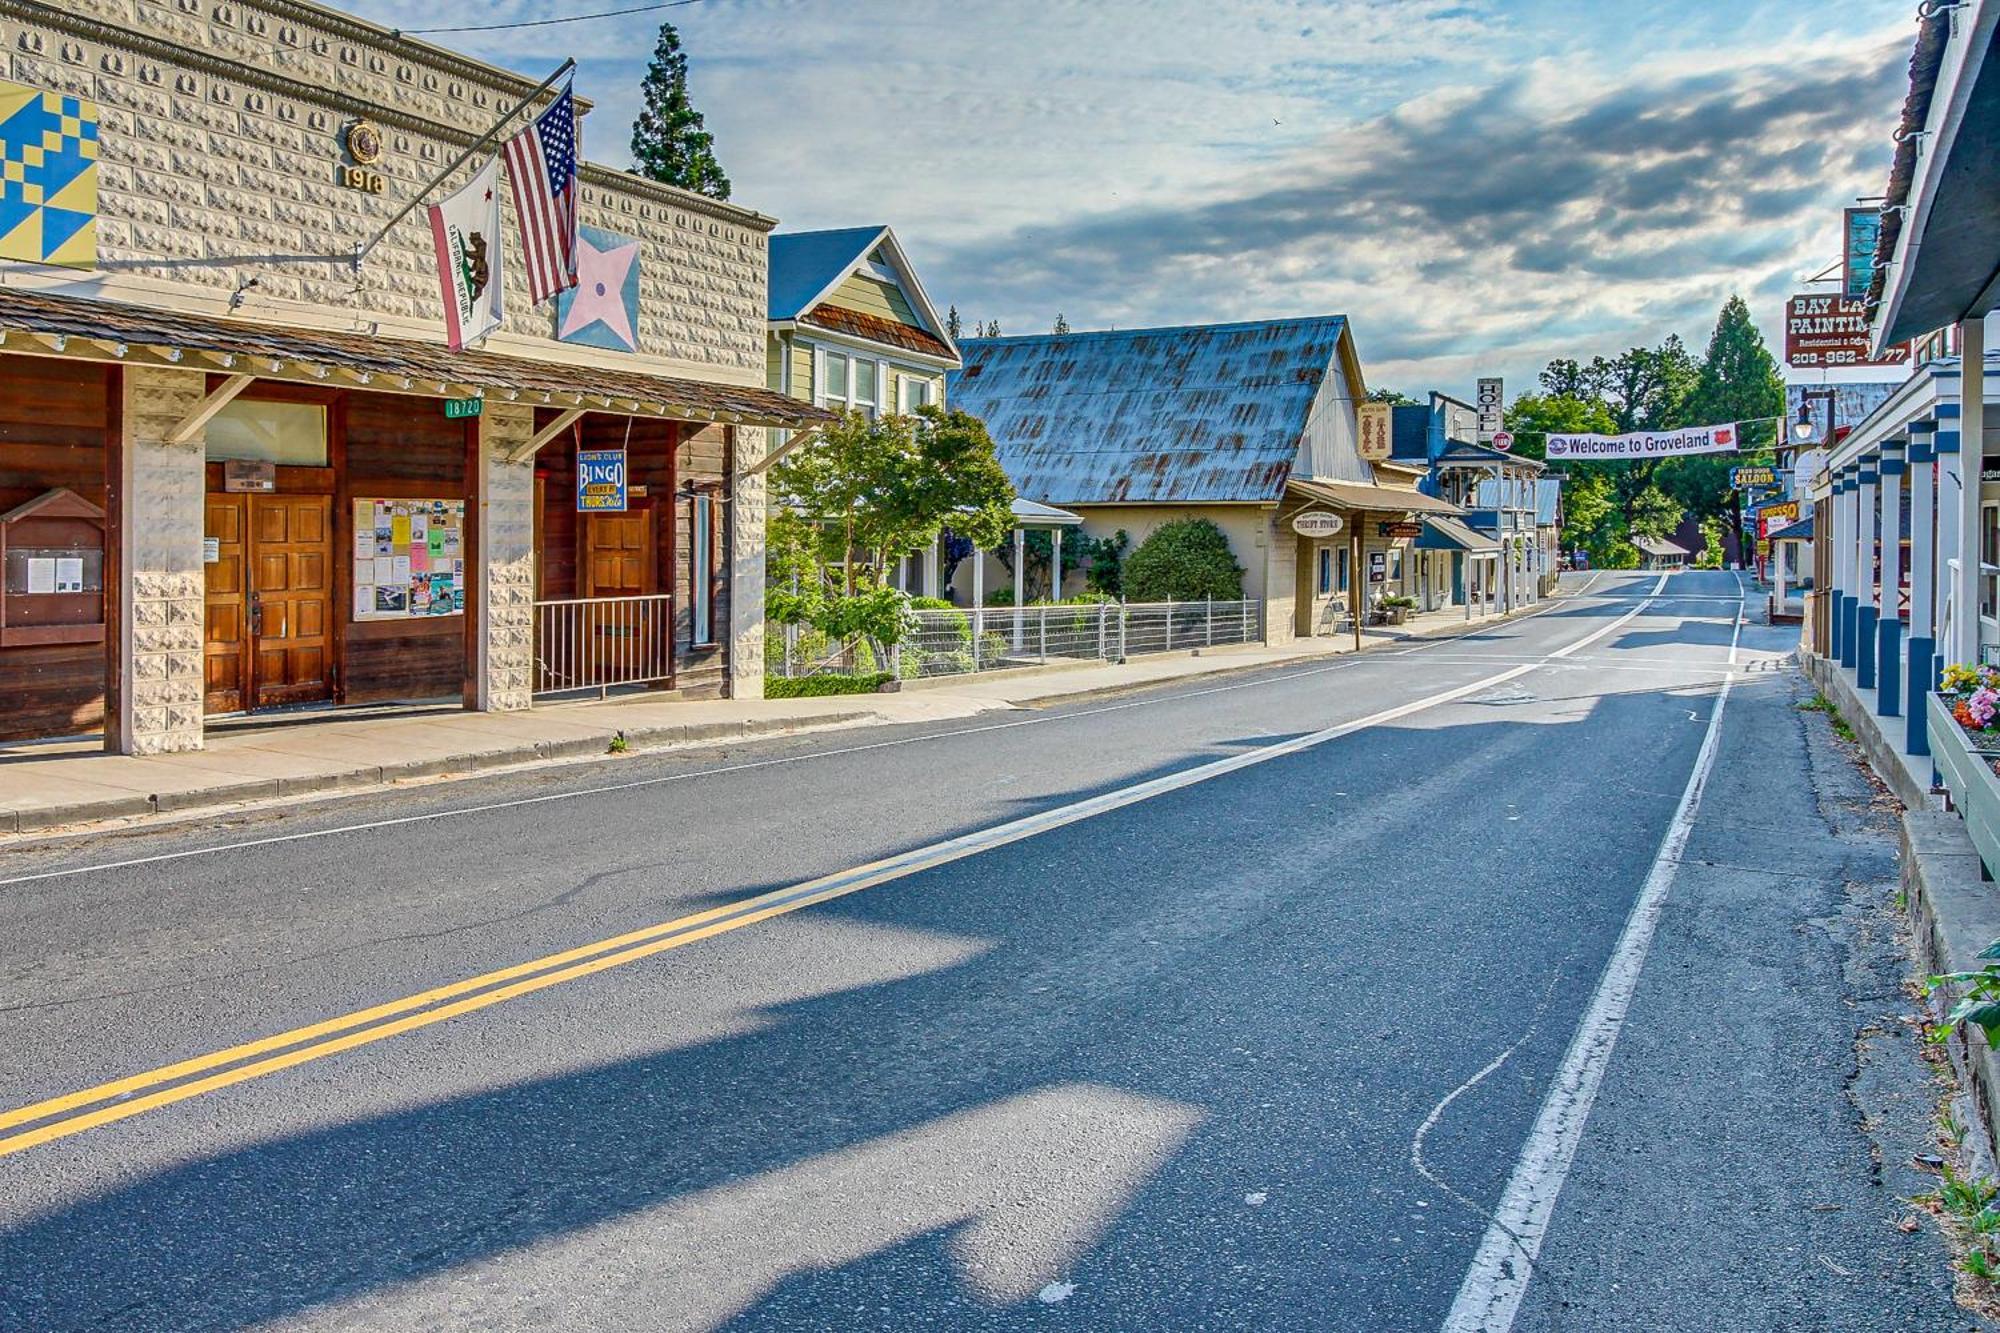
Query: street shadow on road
[[1196, 1043]]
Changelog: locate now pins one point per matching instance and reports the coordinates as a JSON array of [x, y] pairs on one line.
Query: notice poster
[[406, 563]]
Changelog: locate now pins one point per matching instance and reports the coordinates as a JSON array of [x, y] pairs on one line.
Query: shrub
[[1184, 561], [815, 687]]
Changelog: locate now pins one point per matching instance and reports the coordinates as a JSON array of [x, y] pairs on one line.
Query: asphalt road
[[1233, 1005]]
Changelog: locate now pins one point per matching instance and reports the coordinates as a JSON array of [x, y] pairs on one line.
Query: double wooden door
[[269, 601]]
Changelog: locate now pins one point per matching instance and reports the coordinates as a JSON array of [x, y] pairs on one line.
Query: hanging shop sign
[[1741, 478], [457, 409], [1400, 529], [1822, 331], [1723, 439], [1376, 422], [1772, 517], [600, 481], [1860, 230], [1318, 523], [1490, 401], [409, 559]]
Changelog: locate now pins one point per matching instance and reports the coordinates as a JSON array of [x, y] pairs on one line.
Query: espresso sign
[[1827, 331]]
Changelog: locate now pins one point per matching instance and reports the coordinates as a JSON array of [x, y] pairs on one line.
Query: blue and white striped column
[[1950, 487], [1867, 599], [1889, 629], [1842, 538], [1919, 677]]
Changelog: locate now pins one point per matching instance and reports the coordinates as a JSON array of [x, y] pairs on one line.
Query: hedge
[[814, 687]]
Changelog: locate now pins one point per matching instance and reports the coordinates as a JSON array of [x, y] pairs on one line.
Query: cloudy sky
[[1481, 186]]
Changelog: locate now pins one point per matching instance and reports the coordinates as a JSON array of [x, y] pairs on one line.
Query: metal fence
[[595, 643], [952, 643]]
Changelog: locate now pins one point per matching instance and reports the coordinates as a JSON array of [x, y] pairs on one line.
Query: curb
[[1954, 913], [666, 737]]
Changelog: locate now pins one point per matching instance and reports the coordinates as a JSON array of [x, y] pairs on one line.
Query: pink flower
[[1982, 705]]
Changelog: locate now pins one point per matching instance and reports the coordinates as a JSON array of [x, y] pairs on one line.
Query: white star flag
[[465, 229]]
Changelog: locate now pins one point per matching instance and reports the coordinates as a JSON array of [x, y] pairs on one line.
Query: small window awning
[[1801, 531], [1444, 533], [41, 324], [1360, 495]]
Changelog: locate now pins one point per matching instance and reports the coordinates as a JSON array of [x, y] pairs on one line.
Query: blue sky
[[1479, 186]]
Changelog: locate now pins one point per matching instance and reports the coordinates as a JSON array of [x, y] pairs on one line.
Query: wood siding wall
[[872, 296], [54, 422]]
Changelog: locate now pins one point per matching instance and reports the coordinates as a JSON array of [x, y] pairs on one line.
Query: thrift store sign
[[1723, 439]]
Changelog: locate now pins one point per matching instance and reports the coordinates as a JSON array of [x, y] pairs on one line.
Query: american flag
[[541, 170]]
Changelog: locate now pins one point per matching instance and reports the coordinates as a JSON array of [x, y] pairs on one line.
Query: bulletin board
[[409, 559]]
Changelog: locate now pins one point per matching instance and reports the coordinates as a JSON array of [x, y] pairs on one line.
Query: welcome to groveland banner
[[1723, 439]]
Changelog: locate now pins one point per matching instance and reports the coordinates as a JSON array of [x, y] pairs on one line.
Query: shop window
[[1989, 562], [1325, 570], [288, 434], [1340, 564]]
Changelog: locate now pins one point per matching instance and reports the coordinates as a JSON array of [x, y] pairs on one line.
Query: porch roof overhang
[[41, 324], [1359, 495], [1801, 531], [1445, 533], [1035, 514]]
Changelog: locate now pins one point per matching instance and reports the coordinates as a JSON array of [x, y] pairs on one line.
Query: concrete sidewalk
[[46, 785]]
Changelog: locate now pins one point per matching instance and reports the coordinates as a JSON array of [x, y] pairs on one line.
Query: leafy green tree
[[1184, 561], [876, 491], [1655, 513], [669, 144], [1390, 396]]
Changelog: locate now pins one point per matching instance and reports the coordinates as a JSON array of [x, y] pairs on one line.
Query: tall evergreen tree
[[1738, 381], [952, 325], [669, 144], [1061, 325]]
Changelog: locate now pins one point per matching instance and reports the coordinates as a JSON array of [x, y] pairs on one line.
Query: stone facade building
[[230, 479]]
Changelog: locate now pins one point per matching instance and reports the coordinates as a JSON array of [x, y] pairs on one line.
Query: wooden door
[[619, 556], [291, 598], [226, 656], [621, 559]]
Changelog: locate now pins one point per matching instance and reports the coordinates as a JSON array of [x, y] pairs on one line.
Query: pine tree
[[669, 144], [1061, 325], [952, 326]]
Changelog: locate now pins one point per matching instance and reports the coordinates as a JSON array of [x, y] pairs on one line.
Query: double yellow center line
[[73, 1113]]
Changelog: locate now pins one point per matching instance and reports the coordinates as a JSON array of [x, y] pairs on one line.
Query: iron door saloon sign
[[600, 481], [1318, 524]]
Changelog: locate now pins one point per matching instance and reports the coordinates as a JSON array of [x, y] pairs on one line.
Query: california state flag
[[465, 228]]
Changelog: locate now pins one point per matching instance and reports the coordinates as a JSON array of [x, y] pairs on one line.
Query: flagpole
[[362, 249]]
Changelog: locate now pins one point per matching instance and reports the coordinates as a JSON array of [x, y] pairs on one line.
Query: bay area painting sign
[[1723, 439], [1823, 331]]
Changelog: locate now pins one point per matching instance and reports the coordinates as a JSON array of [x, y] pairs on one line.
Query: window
[[848, 381], [1395, 564], [703, 589], [1341, 582], [1325, 570], [912, 393], [293, 434]]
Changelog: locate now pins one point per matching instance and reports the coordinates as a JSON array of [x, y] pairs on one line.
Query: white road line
[[521, 802], [1489, 1299], [1736, 634]]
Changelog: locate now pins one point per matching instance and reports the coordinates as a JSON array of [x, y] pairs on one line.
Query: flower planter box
[[1966, 766]]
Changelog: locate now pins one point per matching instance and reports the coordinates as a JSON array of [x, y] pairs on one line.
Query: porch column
[[1055, 564], [1950, 482], [1020, 582], [933, 577], [1921, 646], [503, 671], [748, 507], [1778, 578], [1972, 438], [1840, 545], [1867, 574], [1889, 630], [154, 704]]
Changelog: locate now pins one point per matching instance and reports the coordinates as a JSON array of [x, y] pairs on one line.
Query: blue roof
[[1198, 414], [804, 262]]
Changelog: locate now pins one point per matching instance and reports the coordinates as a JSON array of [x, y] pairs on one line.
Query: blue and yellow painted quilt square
[[48, 177]]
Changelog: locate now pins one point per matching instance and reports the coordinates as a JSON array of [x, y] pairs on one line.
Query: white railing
[[595, 643], [947, 643]]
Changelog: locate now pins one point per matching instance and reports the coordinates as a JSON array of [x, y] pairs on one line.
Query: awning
[[1359, 495], [40, 324], [1442, 533], [1801, 531], [1035, 514]]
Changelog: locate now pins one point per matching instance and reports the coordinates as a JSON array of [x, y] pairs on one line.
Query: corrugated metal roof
[[1548, 496], [804, 262], [1387, 499], [1444, 533], [1203, 414]]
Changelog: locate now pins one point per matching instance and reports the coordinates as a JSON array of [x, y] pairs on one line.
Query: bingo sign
[[600, 481]]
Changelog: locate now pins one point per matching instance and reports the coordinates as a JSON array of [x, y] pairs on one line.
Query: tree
[[876, 491], [952, 326], [1655, 513], [1392, 397], [669, 144], [1184, 561], [1061, 325], [1738, 381]]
